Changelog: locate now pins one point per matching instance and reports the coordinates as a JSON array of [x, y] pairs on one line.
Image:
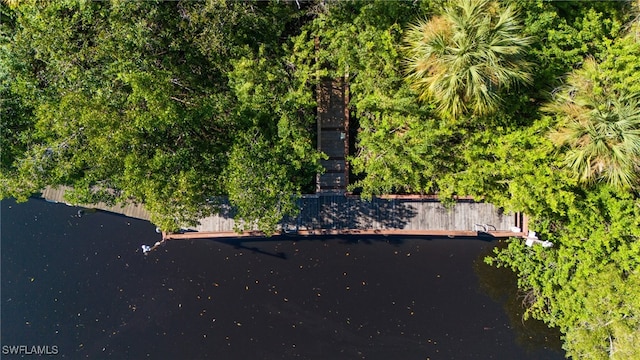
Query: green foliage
[[464, 58], [257, 184], [622, 64], [363, 40], [566, 33], [585, 285], [125, 101], [14, 117], [270, 163]]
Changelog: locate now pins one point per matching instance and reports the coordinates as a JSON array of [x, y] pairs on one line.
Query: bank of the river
[[82, 284]]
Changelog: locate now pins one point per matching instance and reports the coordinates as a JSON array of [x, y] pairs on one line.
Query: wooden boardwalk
[[131, 210], [334, 214], [325, 214], [333, 135]]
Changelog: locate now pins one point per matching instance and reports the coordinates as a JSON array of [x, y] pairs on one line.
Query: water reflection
[[501, 285]]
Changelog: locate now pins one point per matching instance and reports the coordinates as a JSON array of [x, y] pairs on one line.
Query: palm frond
[[599, 128], [462, 59]]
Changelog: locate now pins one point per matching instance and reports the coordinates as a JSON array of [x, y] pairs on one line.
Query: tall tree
[[462, 59], [600, 127]]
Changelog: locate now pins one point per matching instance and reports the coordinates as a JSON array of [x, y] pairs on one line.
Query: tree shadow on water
[[252, 244], [501, 285], [238, 243]]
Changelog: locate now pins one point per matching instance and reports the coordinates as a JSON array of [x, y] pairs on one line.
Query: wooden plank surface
[[335, 211], [333, 165], [132, 210], [332, 134], [339, 214]]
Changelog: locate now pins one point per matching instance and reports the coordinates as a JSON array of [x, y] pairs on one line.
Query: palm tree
[[599, 126], [464, 57]]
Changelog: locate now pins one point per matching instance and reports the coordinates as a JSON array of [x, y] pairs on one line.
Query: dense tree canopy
[[125, 101], [180, 104]]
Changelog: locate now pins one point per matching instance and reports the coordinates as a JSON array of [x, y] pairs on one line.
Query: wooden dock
[[336, 214]]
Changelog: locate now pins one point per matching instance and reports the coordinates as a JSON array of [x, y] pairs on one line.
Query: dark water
[[82, 284]]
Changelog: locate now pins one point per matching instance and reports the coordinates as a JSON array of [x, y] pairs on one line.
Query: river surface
[[82, 284]]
